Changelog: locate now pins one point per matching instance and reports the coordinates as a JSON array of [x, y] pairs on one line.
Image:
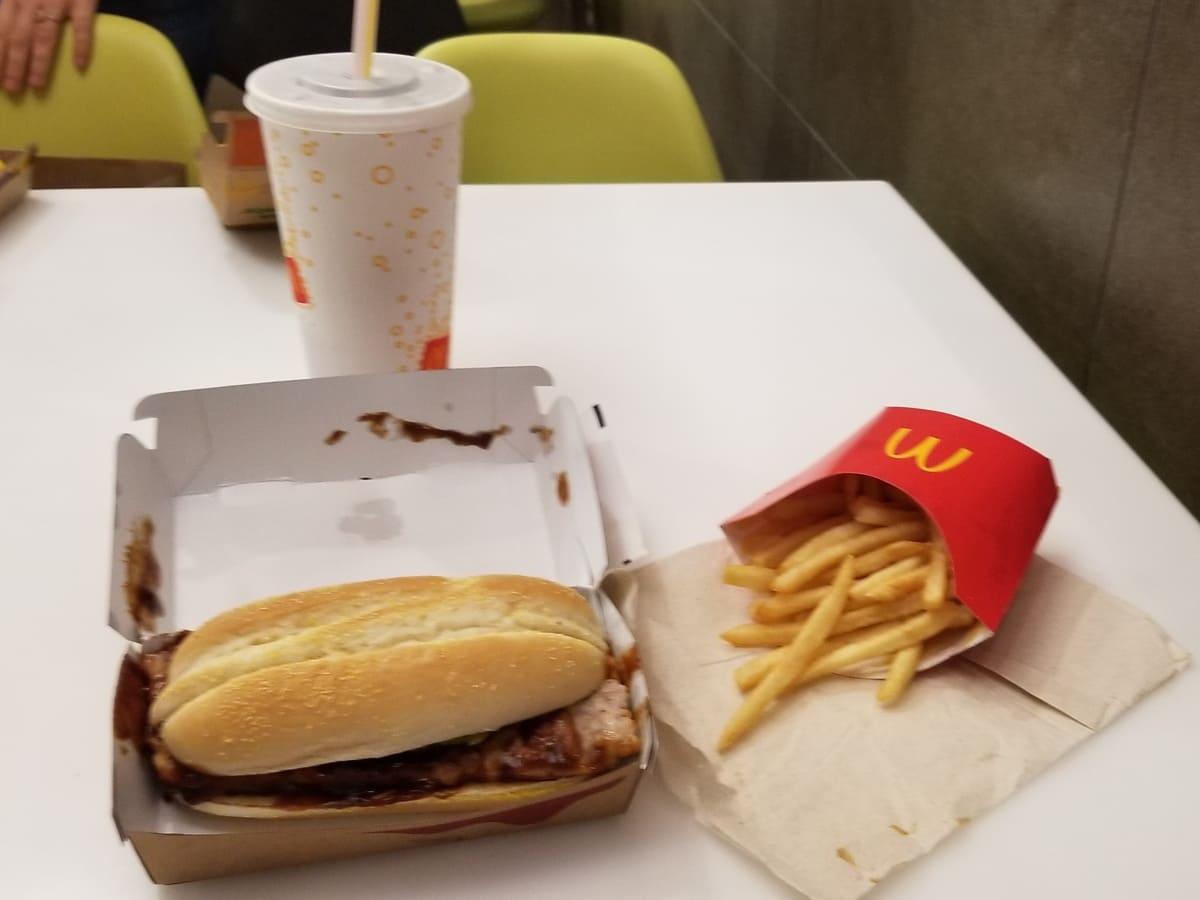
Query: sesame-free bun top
[[364, 670]]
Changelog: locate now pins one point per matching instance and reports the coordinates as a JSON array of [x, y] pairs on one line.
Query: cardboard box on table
[[25, 170], [257, 490], [988, 494], [233, 171], [16, 177], [71, 172]]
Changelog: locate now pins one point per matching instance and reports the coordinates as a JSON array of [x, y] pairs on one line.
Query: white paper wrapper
[[865, 789]]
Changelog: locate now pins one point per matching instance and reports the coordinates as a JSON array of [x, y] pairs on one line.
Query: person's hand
[[29, 33]]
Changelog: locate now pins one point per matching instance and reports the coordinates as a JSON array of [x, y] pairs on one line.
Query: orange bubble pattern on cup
[[383, 255]]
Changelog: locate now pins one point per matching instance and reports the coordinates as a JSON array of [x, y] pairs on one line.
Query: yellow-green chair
[[501, 15], [558, 108], [134, 101]]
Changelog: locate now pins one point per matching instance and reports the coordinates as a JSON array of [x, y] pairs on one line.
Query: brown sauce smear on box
[[143, 576], [419, 431], [378, 424], [138, 681], [545, 434], [622, 667], [130, 705], [334, 436], [630, 662], [562, 487]]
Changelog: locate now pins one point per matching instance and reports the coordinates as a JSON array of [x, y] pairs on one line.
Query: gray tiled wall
[[1053, 144]]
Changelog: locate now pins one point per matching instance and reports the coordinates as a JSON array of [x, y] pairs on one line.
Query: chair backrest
[[134, 101], [501, 15], [557, 108]]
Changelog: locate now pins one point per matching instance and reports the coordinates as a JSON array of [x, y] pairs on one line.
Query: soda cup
[[365, 174]]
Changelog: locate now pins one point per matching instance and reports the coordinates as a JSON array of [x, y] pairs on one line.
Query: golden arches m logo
[[920, 452]]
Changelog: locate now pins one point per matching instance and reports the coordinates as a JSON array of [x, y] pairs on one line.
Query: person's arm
[[29, 33]]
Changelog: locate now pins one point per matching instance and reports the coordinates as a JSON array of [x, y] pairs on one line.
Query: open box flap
[[276, 431], [570, 497], [270, 504], [622, 530], [143, 499]]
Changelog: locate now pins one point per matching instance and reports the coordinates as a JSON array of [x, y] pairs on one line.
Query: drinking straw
[[363, 36]]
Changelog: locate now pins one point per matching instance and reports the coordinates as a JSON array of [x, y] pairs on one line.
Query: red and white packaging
[[988, 494]]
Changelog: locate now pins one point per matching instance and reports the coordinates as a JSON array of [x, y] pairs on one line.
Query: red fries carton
[[989, 495]]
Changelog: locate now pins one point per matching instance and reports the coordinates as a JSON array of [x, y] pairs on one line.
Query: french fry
[[755, 669], [870, 511], [900, 586], [936, 584], [899, 675], [756, 578], [881, 558], [757, 539], [756, 634], [859, 646], [751, 672], [758, 611], [977, 633], [802, 574], [826, 538], [793, 661], [781, 607], [864, 592], [917, 629], [876, 613], [862, 589], [785, 518], [773, 553]]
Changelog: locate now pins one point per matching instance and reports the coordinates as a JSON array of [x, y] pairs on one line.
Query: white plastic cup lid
[[323, 93]]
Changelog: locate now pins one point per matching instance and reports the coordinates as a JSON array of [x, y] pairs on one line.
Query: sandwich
[[421, 694]]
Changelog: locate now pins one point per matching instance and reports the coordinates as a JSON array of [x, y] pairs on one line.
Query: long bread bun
[[361, 671], [279, 617]]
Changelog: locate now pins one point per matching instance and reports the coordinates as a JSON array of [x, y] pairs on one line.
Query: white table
[[712, 323]]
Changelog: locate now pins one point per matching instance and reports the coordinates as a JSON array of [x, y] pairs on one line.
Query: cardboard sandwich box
[[233, 171], [16, 177], [25, 170], [256, 490], [988, 494]]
